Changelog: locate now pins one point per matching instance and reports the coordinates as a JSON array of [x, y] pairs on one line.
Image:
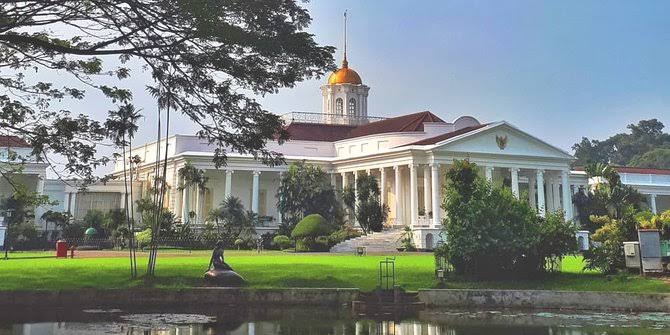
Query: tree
[[21, 219], [656, 158], [201, 56], [305, 189], [608, 198], [232, 221], [624, 149], [490, 233], [370, 213]]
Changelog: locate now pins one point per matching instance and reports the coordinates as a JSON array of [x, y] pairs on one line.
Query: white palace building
[[409, 154]]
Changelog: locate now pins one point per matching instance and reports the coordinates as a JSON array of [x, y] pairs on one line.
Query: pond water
[[326, 321]]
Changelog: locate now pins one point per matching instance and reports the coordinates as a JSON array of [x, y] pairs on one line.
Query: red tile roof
[[13, 142], [445, 136], [327, 132], [318, 132]]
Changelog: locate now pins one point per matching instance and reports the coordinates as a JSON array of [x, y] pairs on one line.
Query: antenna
[[344, 62]]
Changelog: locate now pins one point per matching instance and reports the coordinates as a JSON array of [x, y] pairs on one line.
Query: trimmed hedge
[[311, 226]]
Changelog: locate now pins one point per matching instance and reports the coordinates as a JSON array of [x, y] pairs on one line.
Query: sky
[[558, 70]]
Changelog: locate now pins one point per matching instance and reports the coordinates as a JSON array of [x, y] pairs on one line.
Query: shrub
[[606, 255], [342, 234], [407, 239], [311, 226], [143, 238], [321, 243], [282, 242], [492, 234]]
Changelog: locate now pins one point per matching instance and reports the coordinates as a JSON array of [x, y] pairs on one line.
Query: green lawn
[[31, 271]]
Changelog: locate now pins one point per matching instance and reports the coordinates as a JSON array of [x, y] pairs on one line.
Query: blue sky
[[559, 70]]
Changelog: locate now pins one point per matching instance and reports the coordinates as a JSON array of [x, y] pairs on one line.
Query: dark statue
[[220, 273]]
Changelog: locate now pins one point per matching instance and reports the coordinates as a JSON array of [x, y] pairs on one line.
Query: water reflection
[[427, 323]]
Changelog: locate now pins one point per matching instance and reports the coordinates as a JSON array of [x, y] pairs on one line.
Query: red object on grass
[[61, 249]]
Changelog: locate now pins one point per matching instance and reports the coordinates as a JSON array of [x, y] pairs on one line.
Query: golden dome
[[345, 75]]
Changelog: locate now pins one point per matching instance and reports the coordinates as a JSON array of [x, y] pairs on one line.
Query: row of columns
[[228, 189], [431, 188], [536, 187]]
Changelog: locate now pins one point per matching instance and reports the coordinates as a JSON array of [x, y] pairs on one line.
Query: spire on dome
[[345, 64]]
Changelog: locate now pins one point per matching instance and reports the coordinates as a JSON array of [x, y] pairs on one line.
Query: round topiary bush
[[281, 241], [311, 226]]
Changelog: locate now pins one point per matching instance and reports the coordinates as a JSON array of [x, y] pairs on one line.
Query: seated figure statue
[[220, 273]]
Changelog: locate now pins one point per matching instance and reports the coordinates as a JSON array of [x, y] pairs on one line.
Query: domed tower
[[345, 98]]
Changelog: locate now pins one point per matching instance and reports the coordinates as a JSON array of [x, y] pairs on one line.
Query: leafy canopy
[[490, 233], [205, 57], [645, 146], [306, 189]]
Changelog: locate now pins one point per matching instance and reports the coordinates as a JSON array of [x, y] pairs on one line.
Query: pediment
[[502, 139]]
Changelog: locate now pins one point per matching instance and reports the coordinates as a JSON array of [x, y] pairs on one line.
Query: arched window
[[339, 106], [352, 107]]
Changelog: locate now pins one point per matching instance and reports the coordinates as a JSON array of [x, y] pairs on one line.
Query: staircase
[[386, 241]]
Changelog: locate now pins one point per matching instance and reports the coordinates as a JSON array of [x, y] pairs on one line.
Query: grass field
[[272, 269]]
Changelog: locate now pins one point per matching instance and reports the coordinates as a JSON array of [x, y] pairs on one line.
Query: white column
[[198, 199], [254, 191], [398, 208], [355, 197], [531, 191], [73, 202], [652, 203], [40, 191], [413, 196], [179, 203], [435, 188], [488, 171], [229, 184], [549, 200], [540, 192], [557, 194], [66, 202], [427, 206], [345, 184], [382, 185], [567, 195], [184, 206], [279, 213], [515, 181], [333, 179]]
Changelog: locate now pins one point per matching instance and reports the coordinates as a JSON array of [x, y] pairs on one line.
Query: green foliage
[[232, 221], [281, 241], [492, 234], [143, 238], [407, 239], [557, 236], [208, 60], [647, 220], [370, 213], [646, 146], [343, 233], [306, 189], [607, 257], [20, 205], [192, 176], [310, 232], [311, 226], [611, 198]]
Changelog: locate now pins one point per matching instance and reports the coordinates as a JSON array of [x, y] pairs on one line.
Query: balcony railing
[[310, 117]]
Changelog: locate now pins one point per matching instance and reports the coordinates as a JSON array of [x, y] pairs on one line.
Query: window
[[339, 106], [382, 145], [364, 147], [352, 149], [352, 107]]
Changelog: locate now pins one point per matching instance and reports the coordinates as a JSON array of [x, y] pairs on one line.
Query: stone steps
[[384, 241]]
